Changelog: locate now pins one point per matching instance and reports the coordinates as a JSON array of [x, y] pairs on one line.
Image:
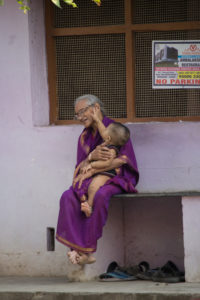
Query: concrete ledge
[[24, 288], [163, 194]]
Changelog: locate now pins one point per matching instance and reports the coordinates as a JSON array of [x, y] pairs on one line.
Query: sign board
[[175, 64]]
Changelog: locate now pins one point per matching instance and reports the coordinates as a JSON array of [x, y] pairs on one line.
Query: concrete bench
[[155, 227], [186, 211]]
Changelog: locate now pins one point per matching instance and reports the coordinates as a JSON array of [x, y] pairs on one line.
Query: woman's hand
[[101, 152], [83, 166], [82, 177], [85, 169], [75, 180]]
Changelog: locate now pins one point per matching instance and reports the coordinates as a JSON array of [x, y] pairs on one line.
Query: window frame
[[129, 30]]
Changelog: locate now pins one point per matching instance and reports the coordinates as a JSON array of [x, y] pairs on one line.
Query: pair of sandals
[[169, 273]]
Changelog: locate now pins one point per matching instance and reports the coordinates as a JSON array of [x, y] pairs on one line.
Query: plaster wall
[[154, 231], [37, 160], [191, 225]]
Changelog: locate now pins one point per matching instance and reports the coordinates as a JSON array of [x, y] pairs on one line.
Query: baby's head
[[119, 134]]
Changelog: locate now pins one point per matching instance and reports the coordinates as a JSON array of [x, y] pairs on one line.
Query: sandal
[[116, 273], [116, 276], [169, 273]]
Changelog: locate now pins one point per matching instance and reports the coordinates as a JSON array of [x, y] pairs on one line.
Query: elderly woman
[[74, 229]]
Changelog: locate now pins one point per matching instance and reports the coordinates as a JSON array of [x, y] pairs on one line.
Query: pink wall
[[168, 155], [37, 163]]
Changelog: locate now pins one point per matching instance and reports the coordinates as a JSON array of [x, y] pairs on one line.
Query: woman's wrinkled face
[[83, 113]]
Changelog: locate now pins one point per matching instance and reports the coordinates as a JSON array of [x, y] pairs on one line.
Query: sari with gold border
[[74, 229]]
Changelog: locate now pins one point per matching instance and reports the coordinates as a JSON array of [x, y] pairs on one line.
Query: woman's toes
[[85, 259], [73, 255]]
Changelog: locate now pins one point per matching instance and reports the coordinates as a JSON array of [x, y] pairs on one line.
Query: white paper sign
[[175, 64]]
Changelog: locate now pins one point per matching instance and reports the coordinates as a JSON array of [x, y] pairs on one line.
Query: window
[[107, 51]]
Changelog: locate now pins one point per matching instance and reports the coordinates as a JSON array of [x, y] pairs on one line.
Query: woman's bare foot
[[86, 208], [73, 257], [85, 259]]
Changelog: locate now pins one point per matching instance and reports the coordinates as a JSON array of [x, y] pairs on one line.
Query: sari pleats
[[74, 229]]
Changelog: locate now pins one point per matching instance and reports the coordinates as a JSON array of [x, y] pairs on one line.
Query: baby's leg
[[83, 191], [96, 183]]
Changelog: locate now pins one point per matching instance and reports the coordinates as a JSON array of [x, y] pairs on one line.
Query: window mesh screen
[[111, 12], [92, 64], [162, 102], [161, 11]]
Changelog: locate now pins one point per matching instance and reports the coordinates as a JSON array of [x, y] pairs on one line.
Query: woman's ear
[[108, 139]]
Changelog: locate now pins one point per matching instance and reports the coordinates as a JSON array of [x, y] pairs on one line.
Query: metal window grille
[[111, 12], [96, 63], [162, 11], [166, 102], [91, 64]]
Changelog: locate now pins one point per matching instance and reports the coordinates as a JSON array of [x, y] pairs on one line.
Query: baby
[[114, 136]]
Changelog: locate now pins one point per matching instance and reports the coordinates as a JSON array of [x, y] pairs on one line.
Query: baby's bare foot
[[86, 208], [83, 198]]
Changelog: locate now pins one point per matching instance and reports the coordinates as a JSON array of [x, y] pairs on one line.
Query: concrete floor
[[58, 288]]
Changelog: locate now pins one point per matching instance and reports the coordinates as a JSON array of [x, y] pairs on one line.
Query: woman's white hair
[[91, 99]]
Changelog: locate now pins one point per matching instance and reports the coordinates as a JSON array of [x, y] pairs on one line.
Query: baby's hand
[[95, 113]]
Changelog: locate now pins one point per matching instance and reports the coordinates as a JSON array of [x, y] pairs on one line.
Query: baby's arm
[[101, 129], [99, 123]]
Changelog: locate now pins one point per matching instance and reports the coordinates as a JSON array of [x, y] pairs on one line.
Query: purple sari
[[74, 229]]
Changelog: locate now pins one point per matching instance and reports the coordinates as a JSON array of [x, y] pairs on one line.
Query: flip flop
[[115, 273], [112, 266], [132, 272], [116, 276]]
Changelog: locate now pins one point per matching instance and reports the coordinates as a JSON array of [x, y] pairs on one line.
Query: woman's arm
[[116, 163], [86, 168], [101, 152], [101, 164]]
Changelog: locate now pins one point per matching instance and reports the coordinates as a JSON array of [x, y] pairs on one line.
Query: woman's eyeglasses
[[81, 112]]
